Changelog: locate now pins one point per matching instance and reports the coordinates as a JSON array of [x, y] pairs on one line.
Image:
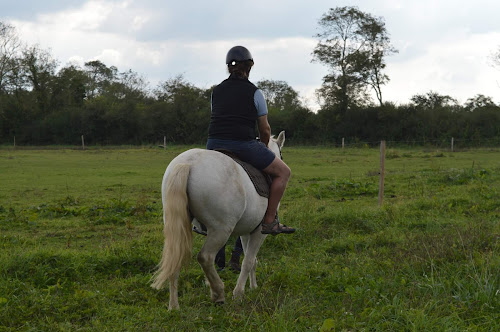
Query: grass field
[[80, 234]]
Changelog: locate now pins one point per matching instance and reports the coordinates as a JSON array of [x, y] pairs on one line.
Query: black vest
[[234, 115]]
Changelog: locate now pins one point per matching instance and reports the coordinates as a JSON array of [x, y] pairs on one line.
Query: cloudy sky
[[444, 45]]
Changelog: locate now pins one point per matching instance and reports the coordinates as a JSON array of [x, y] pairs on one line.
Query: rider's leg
[[280, 173]]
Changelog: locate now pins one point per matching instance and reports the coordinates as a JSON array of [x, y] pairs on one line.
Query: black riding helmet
[[238, 54]]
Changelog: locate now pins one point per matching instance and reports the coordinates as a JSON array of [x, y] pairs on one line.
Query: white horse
[[210, 187]]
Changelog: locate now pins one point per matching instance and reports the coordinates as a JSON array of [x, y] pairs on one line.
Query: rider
[[238, 107]]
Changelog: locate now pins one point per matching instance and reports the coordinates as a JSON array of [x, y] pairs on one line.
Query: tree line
[[43, 103]]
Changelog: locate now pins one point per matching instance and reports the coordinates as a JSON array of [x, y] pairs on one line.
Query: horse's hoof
[[238, 294], [219, 303]]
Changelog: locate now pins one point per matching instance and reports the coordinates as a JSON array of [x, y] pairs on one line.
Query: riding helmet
[[238, 54]]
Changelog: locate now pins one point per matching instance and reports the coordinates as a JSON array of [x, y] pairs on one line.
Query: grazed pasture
[[80, 233]]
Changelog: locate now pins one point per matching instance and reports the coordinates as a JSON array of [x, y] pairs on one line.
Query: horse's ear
[[281, 139]]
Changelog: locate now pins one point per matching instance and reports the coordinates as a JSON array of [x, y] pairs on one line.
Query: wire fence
[[452, 144]]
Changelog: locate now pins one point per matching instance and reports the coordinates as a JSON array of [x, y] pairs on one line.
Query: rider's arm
[[264, 129], [262, 123]]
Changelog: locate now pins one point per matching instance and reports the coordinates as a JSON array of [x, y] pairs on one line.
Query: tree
[[131, 85], [379, 47], [9, 51], [99, 77], [478, 101], [285, 110], [185, 113], [69, 87], [39, 70], [353, 45], [433, 100], [279, 95]]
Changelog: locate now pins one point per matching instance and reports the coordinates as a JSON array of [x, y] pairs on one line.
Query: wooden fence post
[[382, 174], [83, 143], [452, 141], [342, 142], [14, 142], [164, 142]]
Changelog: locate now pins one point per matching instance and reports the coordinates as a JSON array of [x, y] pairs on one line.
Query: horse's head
[[275, 144]]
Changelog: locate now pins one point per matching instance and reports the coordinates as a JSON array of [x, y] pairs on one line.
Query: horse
[[208, 187]]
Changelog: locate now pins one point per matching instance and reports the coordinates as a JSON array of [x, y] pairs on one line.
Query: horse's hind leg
[[251, 245], [174, 298], [206, 258], [251, 274]]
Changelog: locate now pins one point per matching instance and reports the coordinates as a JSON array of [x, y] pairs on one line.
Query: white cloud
[[138, 22], [87, 18], [456, 66], [149, 54], [77, 60], [110, 56], [80, 35]]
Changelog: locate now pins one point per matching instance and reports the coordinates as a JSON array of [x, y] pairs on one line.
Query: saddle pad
[[261, 181]]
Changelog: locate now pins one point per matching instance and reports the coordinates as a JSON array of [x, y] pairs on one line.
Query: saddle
[[261, 181]]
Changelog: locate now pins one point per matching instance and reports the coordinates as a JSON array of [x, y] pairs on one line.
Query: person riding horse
[[238, 106], [206, 187]]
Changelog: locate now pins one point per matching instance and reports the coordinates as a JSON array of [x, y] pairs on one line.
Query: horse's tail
[[177, 226]]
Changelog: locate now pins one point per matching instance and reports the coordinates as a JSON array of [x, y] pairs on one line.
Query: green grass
[[80, 234]]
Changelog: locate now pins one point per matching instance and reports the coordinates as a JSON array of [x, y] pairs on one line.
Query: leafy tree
[[279, 95], [172, 88], [39, 70], [433, 100], [99, 77], [185, 112], [130, 85], [379, 47], [286, 111], [353, 45], [478, 101], [69, 87], [9, 51]]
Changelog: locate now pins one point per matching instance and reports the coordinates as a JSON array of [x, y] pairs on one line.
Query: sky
[[444, 45]]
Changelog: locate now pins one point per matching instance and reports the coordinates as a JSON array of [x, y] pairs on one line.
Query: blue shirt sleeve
[[260, 103]]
